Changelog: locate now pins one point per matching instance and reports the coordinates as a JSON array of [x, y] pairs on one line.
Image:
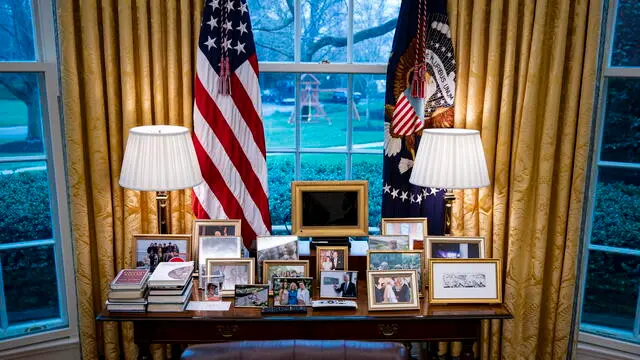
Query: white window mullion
[[350, 31], [297, 29]]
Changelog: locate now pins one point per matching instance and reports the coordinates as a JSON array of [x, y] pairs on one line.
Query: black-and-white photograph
[[256, 295], [339, 284], [235, 272], [151, 250], [459, 280], [275, 248], [217, 247]]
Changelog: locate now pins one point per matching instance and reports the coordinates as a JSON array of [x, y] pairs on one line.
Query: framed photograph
[[213, 228], [216, 247], [389, 242], [256, 295], [398, 260], [339, 284], [463, 281], [292, 291], [393, 290], [283, 268], [275, 248], [152, 249], [454, 247], [331, 258], [235, 272], [415, 228]]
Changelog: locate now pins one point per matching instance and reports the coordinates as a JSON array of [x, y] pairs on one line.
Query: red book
[[130, 279]]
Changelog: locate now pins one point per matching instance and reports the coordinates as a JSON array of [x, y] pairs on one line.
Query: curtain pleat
[[123, 64], [526, 76]]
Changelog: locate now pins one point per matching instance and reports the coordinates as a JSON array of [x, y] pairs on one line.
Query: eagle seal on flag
[[420, 94]]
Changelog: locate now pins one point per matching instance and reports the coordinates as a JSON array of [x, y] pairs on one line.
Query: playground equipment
[[311, 108]]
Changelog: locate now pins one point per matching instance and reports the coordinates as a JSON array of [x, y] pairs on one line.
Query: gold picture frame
[[266, 264], [439, 285], [230, 291], [200, 224], [320, 249], [360, 186], [390, 221], [188, 246], [421, 272], [373, 283]]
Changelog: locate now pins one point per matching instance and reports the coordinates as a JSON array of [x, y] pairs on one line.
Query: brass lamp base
[[162, 204], [449, 197]]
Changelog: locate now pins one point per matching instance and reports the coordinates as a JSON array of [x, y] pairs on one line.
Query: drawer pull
[[388, 329], [227, 331]]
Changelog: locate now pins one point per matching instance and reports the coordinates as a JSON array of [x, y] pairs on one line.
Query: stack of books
[[128, 291], [170, 287]]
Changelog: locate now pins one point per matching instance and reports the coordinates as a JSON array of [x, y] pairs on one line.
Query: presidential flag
[[420, 94], [227, 125]]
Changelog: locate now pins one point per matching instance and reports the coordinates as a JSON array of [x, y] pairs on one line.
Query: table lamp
[[160, 158], [450, 159]]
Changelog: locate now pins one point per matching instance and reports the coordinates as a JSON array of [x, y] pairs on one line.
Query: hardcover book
[[130, 279], [171, 299], [171, 274], [135, 307], [167, 307], [117, 295]]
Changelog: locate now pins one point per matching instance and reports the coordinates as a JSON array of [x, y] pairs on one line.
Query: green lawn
[[12, 113]]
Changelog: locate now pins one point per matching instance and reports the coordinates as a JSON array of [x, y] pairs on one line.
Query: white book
[[171, 274], [126, 307], [126, 294], [171, 299], [166, 291], [167, 307]]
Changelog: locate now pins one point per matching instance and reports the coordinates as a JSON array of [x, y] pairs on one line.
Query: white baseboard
[[68, 348]]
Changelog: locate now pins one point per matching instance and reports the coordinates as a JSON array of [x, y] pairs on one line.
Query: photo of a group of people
[[287, 268], [292, 291], [397, 260], [275, 248], [151, 250]]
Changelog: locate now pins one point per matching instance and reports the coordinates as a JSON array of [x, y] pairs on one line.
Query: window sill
[[66, 348], [594, 347]]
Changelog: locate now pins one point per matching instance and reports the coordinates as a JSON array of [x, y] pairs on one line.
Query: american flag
[[227, 121], [420, 94]]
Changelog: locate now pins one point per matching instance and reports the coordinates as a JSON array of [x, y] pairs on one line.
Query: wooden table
[[431, 322]]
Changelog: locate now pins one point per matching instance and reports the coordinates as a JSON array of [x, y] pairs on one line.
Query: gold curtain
[[526, 78], [124, 64]]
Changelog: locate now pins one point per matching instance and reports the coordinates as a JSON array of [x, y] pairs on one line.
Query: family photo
[[251, 296], [275, 248], [332, 258], [292, 291], [339, 284], [288, 268], [150, 252]]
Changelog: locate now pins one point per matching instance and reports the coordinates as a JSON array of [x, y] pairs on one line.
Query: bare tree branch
[[342, 41], [289, 55]]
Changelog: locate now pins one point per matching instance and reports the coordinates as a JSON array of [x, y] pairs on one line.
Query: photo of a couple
[[331, 258], [393, 290], [292, 292]]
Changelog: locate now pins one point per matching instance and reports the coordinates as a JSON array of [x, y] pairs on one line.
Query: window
[[36, 264], [322, 75], [611, 294]]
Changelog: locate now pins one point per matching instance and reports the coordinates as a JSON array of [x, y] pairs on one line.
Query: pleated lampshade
[[450, 159], [159, 158]]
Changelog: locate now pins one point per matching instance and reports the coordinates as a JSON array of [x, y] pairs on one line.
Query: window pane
[[16, 31], [322, 167], [278, 109], [281, 169], [323, 110], [30, 285], [24, 200], [611, 293], [616, 216], [621, 138], [324, 30], [368, 112], [272, 22], [626, 44], [369, 167], [20, 115], [374, 23]]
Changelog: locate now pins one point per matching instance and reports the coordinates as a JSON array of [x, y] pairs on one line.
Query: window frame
[[590, 334], [46, 65], [298, 68]]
